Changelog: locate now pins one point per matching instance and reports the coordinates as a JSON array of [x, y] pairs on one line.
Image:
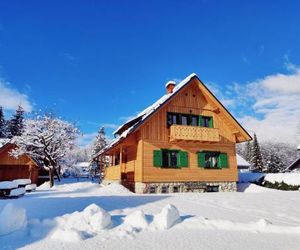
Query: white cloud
[[276, 100], [10, 98]]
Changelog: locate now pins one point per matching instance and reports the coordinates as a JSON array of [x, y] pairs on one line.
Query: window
[[164, 189], [212, 189], [206, 121], [117, 159], [172, 118], [189, 120], [184, 119], [170, 158], [152, 190], [194, 120], [212, 160]]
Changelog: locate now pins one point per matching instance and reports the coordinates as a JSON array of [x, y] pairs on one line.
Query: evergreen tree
[[16, 124], [100, 141], [2, 124], [247, 151], [256, 158], [99, 163], [274, 163]]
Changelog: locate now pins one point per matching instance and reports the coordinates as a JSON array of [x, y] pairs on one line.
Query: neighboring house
[[82, 169], [295, 166], [22, 168], [185, 141], [243, 165]]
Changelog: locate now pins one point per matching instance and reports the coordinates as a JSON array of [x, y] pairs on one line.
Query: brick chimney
[[170, 85]]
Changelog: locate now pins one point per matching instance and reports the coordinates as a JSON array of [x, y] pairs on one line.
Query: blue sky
[[98, 62]]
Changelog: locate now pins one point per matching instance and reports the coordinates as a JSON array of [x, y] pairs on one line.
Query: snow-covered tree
[[274, 164], [100, 141], [2, 124], [99, 144], [256, 158], [247, 151], [16, 123], [48, 140]]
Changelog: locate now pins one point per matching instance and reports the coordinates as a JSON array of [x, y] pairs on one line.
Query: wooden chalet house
[[186, 141], [23, 167]]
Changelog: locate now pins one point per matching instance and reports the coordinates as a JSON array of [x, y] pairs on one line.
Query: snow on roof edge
[[150, 109]]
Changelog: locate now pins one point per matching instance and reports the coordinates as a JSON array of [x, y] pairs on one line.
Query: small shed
[[12, 168]]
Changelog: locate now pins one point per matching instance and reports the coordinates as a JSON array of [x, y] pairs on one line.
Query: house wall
[[192, 172], [155, 136]]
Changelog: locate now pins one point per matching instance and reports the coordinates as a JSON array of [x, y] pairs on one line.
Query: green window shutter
[[223, 160], [211, 123], [183, 159], [201, 159], [157, 158], [200, 121]]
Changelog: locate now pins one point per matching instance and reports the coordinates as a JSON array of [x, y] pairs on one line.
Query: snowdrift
[[12, 219]]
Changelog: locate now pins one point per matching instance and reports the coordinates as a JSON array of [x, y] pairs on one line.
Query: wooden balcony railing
[[193, 133]]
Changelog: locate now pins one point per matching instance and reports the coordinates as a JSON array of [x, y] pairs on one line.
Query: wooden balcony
[[193, 133]]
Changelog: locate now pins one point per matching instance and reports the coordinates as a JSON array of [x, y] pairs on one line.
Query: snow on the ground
[[85, 215], [252, 188], [287, 178], [12, 218]]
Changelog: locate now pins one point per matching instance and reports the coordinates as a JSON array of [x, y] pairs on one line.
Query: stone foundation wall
[[180, 187]]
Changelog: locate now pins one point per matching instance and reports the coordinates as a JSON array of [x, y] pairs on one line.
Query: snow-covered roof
[[131, 124], [3, 141], [149, 110], [298, 147], [241, 161]]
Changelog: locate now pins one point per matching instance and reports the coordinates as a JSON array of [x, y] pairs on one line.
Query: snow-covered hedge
[[292, 179]]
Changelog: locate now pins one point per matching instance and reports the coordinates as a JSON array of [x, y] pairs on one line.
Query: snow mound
[[136, 219], [8, 185], [288, 178], [253, 188], [12, 218], [114, 188], [68, 235], [79, 225], [168, 217], [96, 217]]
